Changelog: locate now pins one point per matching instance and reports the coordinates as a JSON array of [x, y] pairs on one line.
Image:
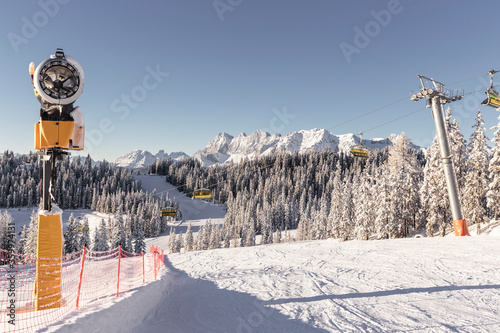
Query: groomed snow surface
[[449, 284]]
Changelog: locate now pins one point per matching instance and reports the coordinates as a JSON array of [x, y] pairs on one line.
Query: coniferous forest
[[395, 193], [81, 185]]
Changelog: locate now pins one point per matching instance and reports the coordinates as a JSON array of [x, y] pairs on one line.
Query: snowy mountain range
[[141, 159], [225, 148]]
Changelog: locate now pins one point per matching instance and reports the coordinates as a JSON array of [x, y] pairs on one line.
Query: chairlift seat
[[493, 99], [359, 151], [202, 194], [168, 212]]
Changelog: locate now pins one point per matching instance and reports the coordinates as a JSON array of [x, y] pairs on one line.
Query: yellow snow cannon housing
[[58, 133]]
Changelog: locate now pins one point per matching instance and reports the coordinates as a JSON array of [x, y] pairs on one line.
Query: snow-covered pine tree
[[188, 243], [100, 241], [250, 236], [214, 242], [180, 243], [384, 214], [22, 240], [458, 148], [71, 243], [226, 236], [335, 215], [117, 234], [7, 241], [476, 180], [363, 208], [205, 239], [345, 228], [172, 241], [278, 237], [402, 167], [32, 236], [139, 244], [84, 233], [433, 193], [493, 193]]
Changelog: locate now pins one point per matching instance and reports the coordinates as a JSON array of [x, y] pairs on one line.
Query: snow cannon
[[58, 82]]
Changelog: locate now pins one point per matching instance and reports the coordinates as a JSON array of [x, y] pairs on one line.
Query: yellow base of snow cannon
[[47, 292]]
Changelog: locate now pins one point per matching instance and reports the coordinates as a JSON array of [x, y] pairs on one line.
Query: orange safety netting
[[87, 278]]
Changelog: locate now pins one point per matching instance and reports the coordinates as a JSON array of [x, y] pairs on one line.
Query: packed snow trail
[[179, 303], [194, 212], [191, 209], [449, 284]]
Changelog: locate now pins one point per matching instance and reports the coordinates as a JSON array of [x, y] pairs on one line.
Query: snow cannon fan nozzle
[[59, 80]]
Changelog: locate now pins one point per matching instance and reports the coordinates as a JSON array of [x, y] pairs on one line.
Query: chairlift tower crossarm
[[436, 95]]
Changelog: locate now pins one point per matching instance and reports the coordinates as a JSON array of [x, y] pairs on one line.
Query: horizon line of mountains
[[225, 148]]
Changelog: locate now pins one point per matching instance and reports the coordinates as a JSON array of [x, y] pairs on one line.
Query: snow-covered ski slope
[[449, 284], [191, 209], [196, 212]]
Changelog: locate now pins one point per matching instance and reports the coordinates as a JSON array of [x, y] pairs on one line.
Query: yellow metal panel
[[48, 264], [65, 131], [55, 133]]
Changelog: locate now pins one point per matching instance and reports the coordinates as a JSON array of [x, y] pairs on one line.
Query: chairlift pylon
[[493, 99], [359, 150]]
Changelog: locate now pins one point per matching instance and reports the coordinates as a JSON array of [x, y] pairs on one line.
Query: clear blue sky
[[231, 67]]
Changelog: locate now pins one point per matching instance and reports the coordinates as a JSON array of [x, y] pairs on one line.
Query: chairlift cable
[[395, 119], [472, 78], [369, 112]]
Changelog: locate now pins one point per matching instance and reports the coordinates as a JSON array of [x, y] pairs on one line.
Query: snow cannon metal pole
[[58, 82], [436, 96]]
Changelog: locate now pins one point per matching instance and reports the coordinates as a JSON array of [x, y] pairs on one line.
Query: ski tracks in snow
[[423, 285]]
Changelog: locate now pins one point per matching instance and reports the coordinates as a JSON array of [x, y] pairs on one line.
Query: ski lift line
[[402, 99], [472, 78], [369, 112], [395, 119], [408, 114], [480, 90]]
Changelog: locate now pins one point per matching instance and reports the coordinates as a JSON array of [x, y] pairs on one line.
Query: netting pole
[[81, 276], [143, 277], [118, 280], [154, 262]]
